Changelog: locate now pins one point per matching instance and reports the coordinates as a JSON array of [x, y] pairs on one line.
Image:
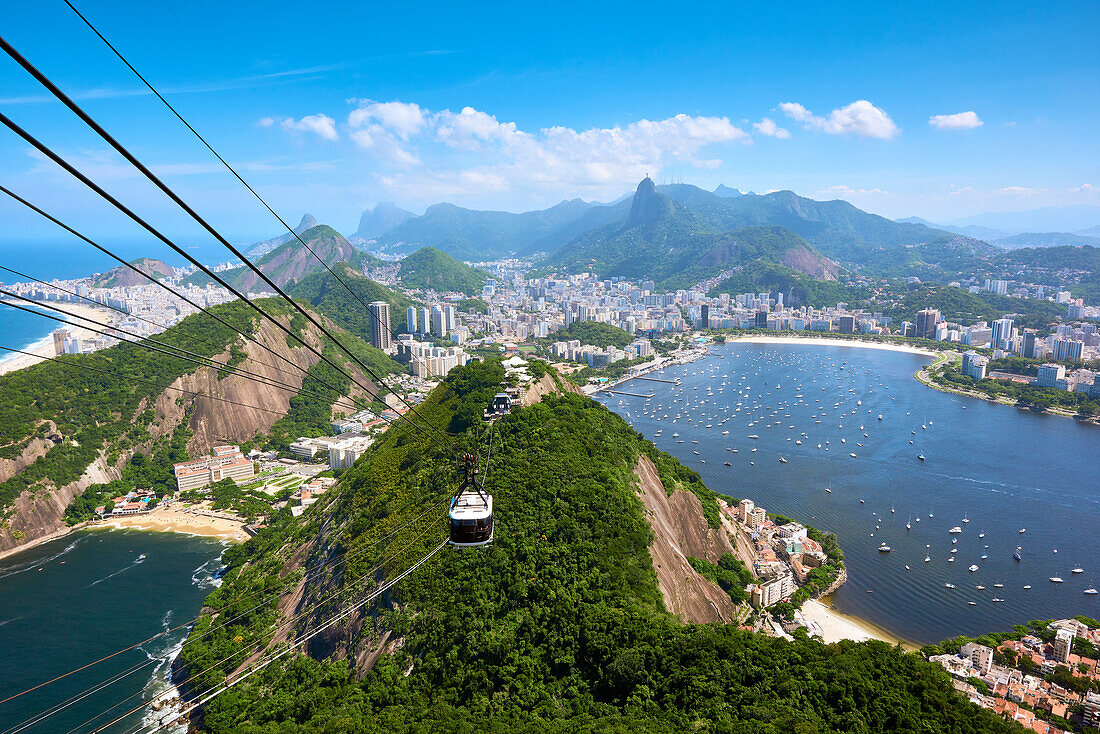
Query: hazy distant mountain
[[1091, 231], [667, 240], [727, 193], [971, 230], [1046, 239], [122, 277], [262, 248], [470, 234], [382, 218], [1046, 219]]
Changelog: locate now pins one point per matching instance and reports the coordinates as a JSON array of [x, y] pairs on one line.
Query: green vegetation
[[593, 333], [964, 307], [431, 268], [613, 371], [798, 289], [558, 626], [1026, 396], [729, 574], [94, 411], [141, 472], [475, 305], [327, 295], [228, 496]]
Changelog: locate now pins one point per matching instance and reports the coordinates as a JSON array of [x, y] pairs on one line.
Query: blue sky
[[337, 106]]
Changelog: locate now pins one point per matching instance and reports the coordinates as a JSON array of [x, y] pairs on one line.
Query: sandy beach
[[9, 361], [176, 519], [833, 626], [825, 342]]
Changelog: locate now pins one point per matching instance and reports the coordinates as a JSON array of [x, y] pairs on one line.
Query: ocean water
[[1000, 468], [19, 329], [78, 598]]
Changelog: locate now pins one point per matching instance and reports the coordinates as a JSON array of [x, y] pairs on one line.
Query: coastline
[[43, 348], [173, 519], [833, 626], [827, 342]]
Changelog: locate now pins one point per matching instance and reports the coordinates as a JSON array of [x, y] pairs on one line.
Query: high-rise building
[[59, 338], [438, 326], [926, 323], [974, 365], [424, 322], [1028, 349], [1066, 350], [380, 325], [449, 318], [1049, 374], [704, 317], [410, 319], [1002, 333], [847, 325]]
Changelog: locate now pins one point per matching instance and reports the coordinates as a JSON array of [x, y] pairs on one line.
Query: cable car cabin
[[471, 519]]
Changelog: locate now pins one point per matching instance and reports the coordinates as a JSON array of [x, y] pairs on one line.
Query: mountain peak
[[308, 222], [383, 217], [727, 193], [648, 206]]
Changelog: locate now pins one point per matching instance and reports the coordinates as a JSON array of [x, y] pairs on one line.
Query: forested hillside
[[429, 268], [325, 293], [557, 626], [125, 414]]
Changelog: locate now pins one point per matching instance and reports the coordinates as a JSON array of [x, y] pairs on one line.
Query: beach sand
[[833, 626], [175, 519], [9, 361], [825, 342]]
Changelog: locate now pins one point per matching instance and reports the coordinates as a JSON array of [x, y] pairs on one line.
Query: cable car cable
[[45, 150], [225, 163], [79, 112], [206, 311]]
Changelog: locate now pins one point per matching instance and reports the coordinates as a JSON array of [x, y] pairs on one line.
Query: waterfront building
[[1050, 374], [847, 325], [1063, 645], [227, 463], [772, 590], [744, 509], [380, 325], [1002, 333], [981, 657], [974, 365]]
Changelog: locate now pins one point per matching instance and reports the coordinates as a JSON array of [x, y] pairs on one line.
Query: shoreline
[[43, 348], [178, 520], [834, 626], [820, 341]]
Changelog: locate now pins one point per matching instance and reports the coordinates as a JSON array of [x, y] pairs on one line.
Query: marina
[[801, 404]]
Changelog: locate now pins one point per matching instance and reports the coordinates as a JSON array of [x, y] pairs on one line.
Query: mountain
[[382, 218], [667, 240], [1091, 231], [121, 277], [254, 250], [727, 193], [585, 614], [291, 261], [429, 268], [69, 432], [322, 291], [971, 230], [1046, 239], [1044, 219], [481, 235]]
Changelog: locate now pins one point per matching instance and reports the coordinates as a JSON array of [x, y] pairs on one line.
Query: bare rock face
[[680, 530]]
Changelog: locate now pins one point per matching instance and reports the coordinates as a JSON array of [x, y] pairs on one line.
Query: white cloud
[[1017, 191], [842, 192], [958, 121], [321, 125], [1085, 188], [859, 118], [266, 121], [767, 126], [552, 158]]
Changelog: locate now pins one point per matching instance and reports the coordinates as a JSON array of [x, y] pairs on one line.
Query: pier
[[631, 394], [657, 379]]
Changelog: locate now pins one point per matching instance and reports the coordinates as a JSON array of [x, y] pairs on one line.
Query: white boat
[[1027, 586], [965, 520], [782, 460], [1090, 591], [949, 586], [979, 587], [884, 548], [927, 559], [753, 436], [955, 529], [973, 568], [1023, 530], [1056, 579], [998, 585], [880, 416], [828, 490], [852, 455], [1077, 570]]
